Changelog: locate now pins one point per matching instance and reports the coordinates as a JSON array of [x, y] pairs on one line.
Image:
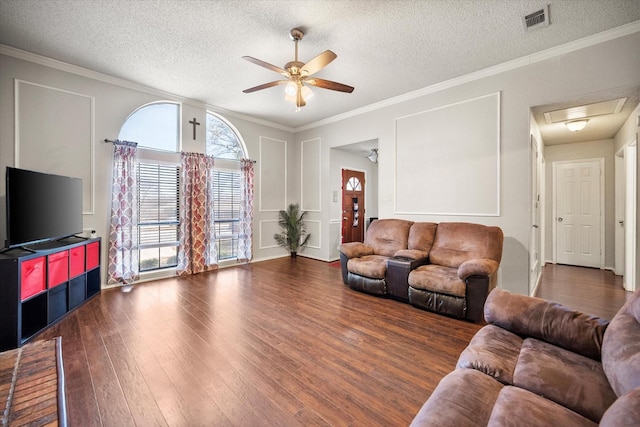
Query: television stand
[[42, 283], [21, 248]]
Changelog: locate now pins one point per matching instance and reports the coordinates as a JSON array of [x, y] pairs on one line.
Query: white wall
[[114, 101], [544, 81], [580, 151]]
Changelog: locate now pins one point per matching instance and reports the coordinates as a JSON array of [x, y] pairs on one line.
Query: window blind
[[158, 215], [227, 212]]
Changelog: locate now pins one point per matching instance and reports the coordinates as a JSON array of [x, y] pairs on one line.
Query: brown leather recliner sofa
[[451, 266], [538, 363]]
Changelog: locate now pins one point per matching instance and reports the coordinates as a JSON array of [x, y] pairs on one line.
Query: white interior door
[[578, 200]]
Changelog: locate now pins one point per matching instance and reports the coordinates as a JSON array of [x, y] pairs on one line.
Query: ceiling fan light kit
[[298, 74]]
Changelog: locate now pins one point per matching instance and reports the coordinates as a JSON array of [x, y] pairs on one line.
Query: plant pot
[[294, 254]]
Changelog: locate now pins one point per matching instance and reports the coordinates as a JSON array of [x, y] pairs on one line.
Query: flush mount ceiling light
[[374, 155], [298, 74], [576, 125]]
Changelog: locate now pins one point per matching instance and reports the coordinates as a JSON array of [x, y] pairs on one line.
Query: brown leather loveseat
[[450, 267], [538, 363]]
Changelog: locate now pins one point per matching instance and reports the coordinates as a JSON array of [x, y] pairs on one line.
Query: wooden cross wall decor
[[194, 123]]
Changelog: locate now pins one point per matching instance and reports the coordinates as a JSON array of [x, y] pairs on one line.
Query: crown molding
[[614, 33], [621, 31], [117, 81]]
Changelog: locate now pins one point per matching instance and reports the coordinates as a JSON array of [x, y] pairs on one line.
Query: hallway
[[590, 290]]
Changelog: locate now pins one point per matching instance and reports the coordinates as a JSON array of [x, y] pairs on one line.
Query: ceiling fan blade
[[328, 84], [267, 65], [266, 86], [318, 63]]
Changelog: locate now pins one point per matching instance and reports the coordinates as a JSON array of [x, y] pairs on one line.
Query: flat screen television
[[41, 207]]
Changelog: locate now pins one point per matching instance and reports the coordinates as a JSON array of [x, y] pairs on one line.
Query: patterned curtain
[[123, 234], [245, 232], [197, 249]]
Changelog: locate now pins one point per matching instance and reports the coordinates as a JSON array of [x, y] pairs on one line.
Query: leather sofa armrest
[[545, 320], [477, 267], [355, 249]]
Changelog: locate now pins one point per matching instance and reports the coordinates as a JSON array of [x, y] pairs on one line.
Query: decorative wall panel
[[273, 174], [311, 177], [267, 228], [314, 228], [54, 134], [456, 148]]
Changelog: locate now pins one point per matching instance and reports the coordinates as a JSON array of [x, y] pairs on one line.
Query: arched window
[[156, 129], [226, 146], [155, 126], [223, 141]]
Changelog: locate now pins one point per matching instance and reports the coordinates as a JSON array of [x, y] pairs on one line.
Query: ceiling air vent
[[537, 19]]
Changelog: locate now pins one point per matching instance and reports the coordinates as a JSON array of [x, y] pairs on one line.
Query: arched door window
[[354, 184]]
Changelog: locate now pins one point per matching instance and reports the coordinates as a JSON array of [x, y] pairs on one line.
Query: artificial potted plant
[[294, 230]]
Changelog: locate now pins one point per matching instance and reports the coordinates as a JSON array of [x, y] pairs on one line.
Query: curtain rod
[[113, 142], [119, 141]]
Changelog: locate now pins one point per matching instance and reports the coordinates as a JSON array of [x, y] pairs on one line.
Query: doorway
[[630, 158], [353, 213], [578, 198], [534, 250], [625, 214]]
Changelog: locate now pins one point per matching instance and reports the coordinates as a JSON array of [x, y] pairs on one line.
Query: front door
[[352, 206], [578, 213]]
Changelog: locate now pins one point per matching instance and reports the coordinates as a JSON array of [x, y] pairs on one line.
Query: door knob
[[559, 219], [535, 225], [621, 222]]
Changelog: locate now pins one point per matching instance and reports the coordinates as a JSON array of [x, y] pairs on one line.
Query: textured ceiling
[[385, 48]]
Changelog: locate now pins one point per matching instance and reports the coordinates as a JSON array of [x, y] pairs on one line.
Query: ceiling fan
[[298, 74]]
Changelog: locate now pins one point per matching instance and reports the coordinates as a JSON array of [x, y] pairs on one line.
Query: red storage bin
[[58, 268], [76, 261], [32, 279], [93, 255]]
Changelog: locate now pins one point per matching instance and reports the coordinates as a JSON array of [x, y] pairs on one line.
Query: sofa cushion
[[374, 266], [518, 407], [437, 278], [569, 379], [387, 236], [457, 242], [466, 397], [493, 351], [421, 236], [621, 348]]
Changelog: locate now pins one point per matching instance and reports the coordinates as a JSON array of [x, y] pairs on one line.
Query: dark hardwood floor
[[590, 290], [280, 342]]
